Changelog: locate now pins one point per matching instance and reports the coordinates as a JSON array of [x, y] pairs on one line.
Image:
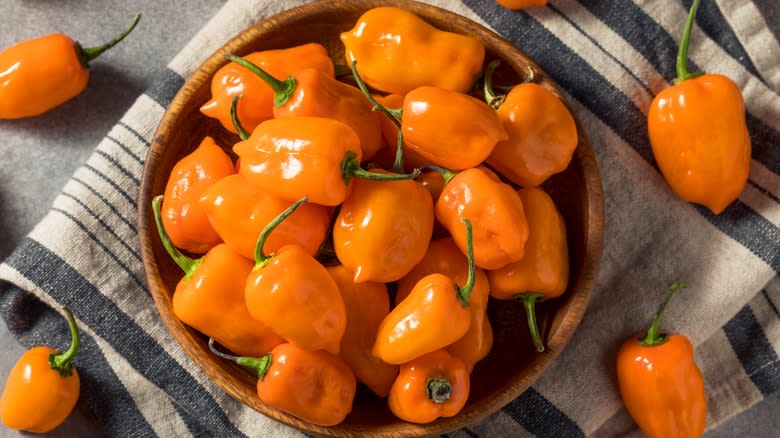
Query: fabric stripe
[[112, 183], [107, 203], [167, 87], [67, 286], [771, 14], [135, 133], [754, 351], [540, 417], [126, 149], [117, 165], [770, 303]]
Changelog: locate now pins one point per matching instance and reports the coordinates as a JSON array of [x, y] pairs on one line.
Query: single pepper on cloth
[[543, 272], [542, 135], [294, 294], [315, 386], [399, 51], [660, 383], [698, 133], [210, 296], [428, 387], [42, 73], [183, 213], [435, 314], [232, 80], [42, 387]]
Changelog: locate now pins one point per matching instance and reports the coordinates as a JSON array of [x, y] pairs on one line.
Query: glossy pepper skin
[[294, 295], [257, 102], [543, 272], [388, 156], [42, 73], [660, 383], [435, 314], [42, 387], [495, 209], [184, 214], [542, 135], [312, 93], [444, 257], [521, 4], [239, 211], [398, 52], [383, 228], [428, 387], [315, 386], [699, 136], [367, 304], [210, 297]]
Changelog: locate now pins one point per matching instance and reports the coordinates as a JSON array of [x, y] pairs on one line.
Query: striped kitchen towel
[[609, 57]]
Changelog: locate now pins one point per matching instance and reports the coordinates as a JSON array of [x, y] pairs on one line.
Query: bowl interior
[[513, 365]]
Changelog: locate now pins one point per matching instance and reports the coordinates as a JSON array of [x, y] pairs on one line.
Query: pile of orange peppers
[[342, 241]]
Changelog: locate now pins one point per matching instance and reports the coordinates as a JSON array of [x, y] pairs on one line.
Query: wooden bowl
[[513, 365]]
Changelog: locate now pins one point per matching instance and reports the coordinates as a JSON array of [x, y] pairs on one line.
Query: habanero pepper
[[660, 383], [42, 73], [210, 297], [367, 304], [542, 132], [434, 315], [698, 134], [315, 157], [239, 211], [428, 387], [43, 386], [315, 386], [444, 257], [184, 214], [543, 272], [400, 51], [383, 228], [232, 80], [496, 209], [294, 294], [310, 92], [521, 4], [389, 157]]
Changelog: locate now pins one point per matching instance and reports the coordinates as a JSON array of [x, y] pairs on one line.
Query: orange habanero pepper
[[210, 297], [383, 228], [521, 4], [184, 214], [501, 229], [315, 386], [543, 272], [294, 295], [444, 257], [367, 304], [305, 156], [428, 387], [660, 383], [698, 134], [257, 106], [542, 133], [400, 51], [400, 161], [239, 211], [42, 73], [310, 92], [434, 315], [42, 387]]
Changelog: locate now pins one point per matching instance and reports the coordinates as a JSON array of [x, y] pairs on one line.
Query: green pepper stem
[[90, 53], [529, 302], [464, 292], [393, 114], [350, 168], [187, 264], [259, 364], [261, 259], [445, 173], [61, 362], [398, 163], [282, 89], [653, 337], [491, 97], [682, 53], [438, 389], [234, 118]]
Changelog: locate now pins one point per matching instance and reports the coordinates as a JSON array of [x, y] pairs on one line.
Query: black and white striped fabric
[[609, 57]]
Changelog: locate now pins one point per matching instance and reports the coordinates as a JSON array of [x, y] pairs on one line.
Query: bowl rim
[[556, 342]]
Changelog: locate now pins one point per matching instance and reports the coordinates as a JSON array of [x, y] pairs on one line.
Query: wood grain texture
[[513, 365]]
